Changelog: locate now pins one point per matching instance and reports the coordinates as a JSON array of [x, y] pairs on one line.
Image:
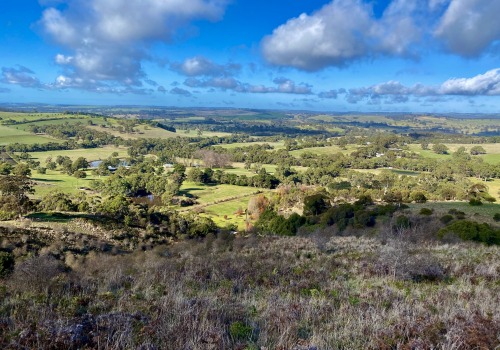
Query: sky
[[434, 56]]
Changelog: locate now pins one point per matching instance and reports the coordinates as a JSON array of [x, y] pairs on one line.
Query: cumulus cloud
[[21, 76], [487, 84], [341, 32], [469, 27], [201, 66], [179, 91], [332, 94], [344, 31], [283, 85], [483, 84], [107, 40]]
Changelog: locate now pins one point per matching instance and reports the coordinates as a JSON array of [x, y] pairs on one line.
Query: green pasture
[[10, 135], [274, 145], [27, 117], [205, 134], [224, 214], [54, 180], [324, 150], [59, 121], [88, 153], [209, 194], [492, 155], [482, 213]]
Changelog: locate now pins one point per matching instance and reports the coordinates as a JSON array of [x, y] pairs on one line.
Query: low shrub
[[6, 263], [446, 219], [475, 202], [426, 211], [471, 231]]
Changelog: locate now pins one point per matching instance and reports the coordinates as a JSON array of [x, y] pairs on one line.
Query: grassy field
[[221, 202], [492, 155], [60, 121], [482, 213], [143, 131], [274, 145], [239, 169], [210, 194], [88, 153], [9, 135], [225, 213], [22, 117], [395, 171], [193, 133], [324, 150], [55, 181]]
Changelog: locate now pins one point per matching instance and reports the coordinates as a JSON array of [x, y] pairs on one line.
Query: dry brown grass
[[309, 292]]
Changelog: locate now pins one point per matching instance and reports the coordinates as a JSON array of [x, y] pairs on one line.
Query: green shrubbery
[[426, 211], [471, 231], [6, 263]]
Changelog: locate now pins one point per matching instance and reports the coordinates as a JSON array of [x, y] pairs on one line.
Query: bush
[[446, 219], [315, 204], [418, 197], [496, 217], [6, 263], [402, 222], [363, 218], [472, 231], [475, 202], [426, 211], [458, 214]]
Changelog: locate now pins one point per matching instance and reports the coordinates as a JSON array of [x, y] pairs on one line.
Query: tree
[[80, 174], [80, 163], [22, 169], [315, 204], [5, 168], [257, 205], [477, 150], [14, 199], [439, 148]]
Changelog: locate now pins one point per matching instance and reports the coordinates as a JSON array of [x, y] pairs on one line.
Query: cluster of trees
[[141, 179], [77, 133], [262, 180]]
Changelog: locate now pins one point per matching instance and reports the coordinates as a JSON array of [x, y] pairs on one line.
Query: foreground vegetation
[[317, 291]]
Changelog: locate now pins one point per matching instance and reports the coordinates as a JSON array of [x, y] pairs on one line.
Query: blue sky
[[339, 55]]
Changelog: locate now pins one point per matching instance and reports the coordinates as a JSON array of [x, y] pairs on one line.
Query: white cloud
[[181, 92], [21, 76], [284, 86], [108, 39], [487, 84], [483, 84], [341, 32], [201, 66], [469, 27]]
